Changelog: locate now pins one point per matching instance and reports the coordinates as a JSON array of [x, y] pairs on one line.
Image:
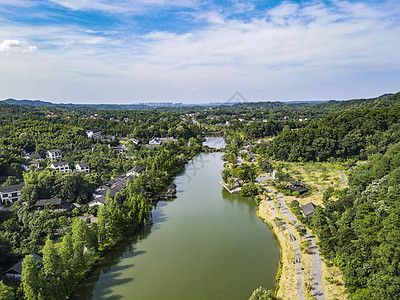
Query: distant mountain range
[[139, 105], [37, 103], [152, 105]]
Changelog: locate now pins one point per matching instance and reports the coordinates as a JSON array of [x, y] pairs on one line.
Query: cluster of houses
[[12, 193], [121, 148], [55, 155], [115, 185]]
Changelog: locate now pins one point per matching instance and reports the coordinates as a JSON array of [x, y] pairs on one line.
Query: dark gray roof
[[34, 156], [59, 163], [83, 164], [296, 188], [18, 266], [308, 209], [54, 150], [54, 202], [101, 199], [138, 169], [12, 188], [115, 185], [43, 202], [32, 162]]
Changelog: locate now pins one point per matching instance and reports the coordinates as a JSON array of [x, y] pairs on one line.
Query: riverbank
[[286, 286], [234, 190]]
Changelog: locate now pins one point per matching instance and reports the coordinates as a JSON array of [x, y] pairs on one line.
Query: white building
[[61, 166], [135, 141], [96, 134], [82, 167], [54, 154], [155, 142], [120, 149], [135, 171], [10, 194], [29, 163]]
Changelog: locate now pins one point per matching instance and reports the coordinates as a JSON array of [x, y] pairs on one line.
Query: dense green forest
[[360, 232], [354, 134]]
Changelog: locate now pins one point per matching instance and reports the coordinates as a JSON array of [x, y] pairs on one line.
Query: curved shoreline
[[286, 280]]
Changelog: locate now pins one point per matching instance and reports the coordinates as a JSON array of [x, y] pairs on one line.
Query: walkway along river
[[206, 244]]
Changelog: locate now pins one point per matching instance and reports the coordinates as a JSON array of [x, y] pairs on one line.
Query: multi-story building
[[120, 149], [10, 194], [82, 167], [96, 134], [61, 166], [135, 171], [54, 154]]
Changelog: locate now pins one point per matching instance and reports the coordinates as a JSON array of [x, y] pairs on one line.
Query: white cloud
[[15, 2], [122, 6], [106, 32], [295, 51], [310, 38], [16, 45]]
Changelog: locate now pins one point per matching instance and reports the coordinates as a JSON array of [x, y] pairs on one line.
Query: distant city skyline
[[194, 51]]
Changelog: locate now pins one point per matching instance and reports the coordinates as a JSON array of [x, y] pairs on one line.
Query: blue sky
[[193, 51]]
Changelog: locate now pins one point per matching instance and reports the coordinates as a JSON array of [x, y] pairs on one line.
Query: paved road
[[316, 269], [299, 273]]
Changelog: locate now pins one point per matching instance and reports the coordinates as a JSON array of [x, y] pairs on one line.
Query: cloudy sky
[[193, 51]]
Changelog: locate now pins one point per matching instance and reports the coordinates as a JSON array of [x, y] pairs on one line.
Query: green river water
[[206, 244]]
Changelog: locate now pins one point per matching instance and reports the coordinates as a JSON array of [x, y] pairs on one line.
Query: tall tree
[[31, 279], [6, 292]]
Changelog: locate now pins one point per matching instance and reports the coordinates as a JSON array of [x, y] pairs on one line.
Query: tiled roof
[[12, 188], [18, 266], [308, 209]]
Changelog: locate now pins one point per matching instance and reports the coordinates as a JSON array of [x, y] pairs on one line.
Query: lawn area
[[316, 174]]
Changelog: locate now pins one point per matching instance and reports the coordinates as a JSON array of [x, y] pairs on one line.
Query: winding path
[[316, 268], [299, 273]]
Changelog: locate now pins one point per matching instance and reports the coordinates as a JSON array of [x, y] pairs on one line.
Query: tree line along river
[[206, 244]]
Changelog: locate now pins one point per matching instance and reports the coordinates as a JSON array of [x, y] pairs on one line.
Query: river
[[206, 244]]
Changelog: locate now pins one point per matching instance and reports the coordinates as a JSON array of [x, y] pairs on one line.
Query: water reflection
[[198, 247], [110, 265], [243, 202], [215, 142]]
